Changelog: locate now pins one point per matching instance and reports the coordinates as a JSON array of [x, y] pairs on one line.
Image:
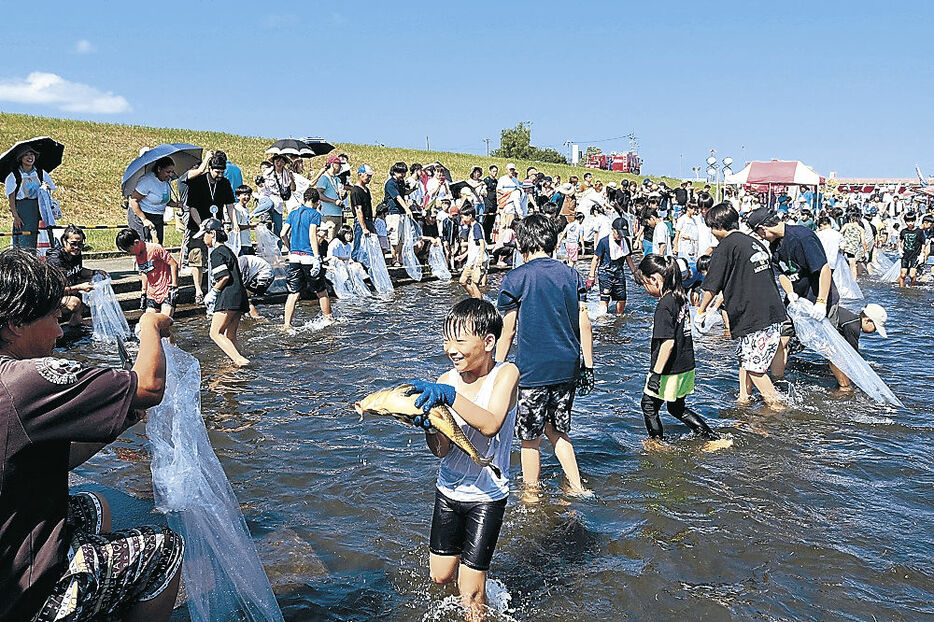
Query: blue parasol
[[184, 155]]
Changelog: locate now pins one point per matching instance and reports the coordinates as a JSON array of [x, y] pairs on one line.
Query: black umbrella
[[456, 188], [291, 147], [318, 145], [49, 158], [444, 170]]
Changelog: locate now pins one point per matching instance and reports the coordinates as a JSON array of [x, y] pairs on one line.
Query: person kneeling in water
[[671, 375], [470, 500]]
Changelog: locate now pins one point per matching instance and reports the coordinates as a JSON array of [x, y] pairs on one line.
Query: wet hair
[[126, 238], [311, 194], [162, 163], [71, 230], [704, 200], [415, 167], [536, 233], [722, 216], [703, 263], [473, 316], [823, 220], [29, 288], [670, 271], [243, 189], [399, 167]]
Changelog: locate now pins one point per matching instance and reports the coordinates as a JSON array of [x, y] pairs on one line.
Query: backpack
[[19, 178]]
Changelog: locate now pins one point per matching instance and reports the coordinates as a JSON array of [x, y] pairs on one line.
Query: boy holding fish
[[468, 417]]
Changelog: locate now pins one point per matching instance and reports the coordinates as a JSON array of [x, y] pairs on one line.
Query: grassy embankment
[[96, 154]]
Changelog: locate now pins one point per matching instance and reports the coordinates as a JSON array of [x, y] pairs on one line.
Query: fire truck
[[628, 162]]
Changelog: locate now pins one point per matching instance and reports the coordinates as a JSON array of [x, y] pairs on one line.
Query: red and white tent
[[776, 172]]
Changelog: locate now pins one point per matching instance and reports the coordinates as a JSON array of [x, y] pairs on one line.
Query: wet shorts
[[612, 287], [258, 285], [301, 279], [108, 572], [757, 349], [910, 262], [540, 405], [466, 528], [475, 273]]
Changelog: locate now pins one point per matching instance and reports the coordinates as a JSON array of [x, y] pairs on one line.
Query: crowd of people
[[740, 261]]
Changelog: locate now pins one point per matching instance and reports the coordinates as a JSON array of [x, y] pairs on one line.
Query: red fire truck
[[628, 162]]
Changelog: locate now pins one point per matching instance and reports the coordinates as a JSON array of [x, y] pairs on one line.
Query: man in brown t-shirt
[[56, 559]]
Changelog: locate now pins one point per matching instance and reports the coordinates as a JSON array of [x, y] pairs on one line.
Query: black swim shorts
[[910, 262], [612, 287], [300, 279], [540, 405], [468, 529]]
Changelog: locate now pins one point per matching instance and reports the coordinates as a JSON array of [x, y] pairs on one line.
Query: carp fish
[[395, 402]]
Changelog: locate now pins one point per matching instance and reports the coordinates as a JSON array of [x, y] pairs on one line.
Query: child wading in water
[[228, 295], [470, 500], [671, 374]]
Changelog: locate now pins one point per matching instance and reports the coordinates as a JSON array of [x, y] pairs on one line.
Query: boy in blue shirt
[[542, 301], [611, 255], [300, 236]]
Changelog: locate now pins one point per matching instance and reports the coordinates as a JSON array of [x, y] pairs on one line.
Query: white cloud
[[53, 90], [83, 47]]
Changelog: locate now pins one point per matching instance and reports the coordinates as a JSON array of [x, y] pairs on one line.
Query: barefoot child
[[470, 501], [477, 261], [300, 235], [543, 305], [158, 272], [671, 374], [228, 296]]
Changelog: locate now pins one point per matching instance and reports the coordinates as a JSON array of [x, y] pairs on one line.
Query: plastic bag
[[233, 242], [109, 322], [843, 279], [881, 262], [224, 577], [337, 274], [376, 264], [517, 258], [891, 275], [267, 247], [712, 319], [409, 260], [821, 337], [438, 263]]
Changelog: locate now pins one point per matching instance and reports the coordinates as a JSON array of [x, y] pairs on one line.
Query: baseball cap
[[333, 159], [620, 225], [209, 225], [365, 169], [511, 166], [878, 316], [757, 217]]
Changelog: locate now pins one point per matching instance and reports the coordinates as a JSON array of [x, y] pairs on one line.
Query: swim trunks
[[468, 529], [540, 405], [756, 350]]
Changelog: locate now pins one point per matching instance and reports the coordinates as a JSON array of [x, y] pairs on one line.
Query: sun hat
[[565, 188], [511, 166], [878, 316]]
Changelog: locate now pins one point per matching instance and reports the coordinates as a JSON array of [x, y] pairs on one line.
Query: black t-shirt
[[673, 321], [850, 326], [360, 196], [233, 297], [67, 263], [430, 230], [740, 267], [201, 197], [490, 198], [800, 256], [912, 241], [681, 196], [394, 188]]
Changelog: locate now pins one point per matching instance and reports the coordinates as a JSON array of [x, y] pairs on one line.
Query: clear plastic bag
[[821, 337], [438, 263], [224, 577], [712, 319], [409, 260], [108, 319], [517, 258], [337, 274], [881, 262], [267, 247], [376, 264], [891, 275], [843, 279]]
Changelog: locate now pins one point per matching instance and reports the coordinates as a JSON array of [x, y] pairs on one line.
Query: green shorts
[[673, 386]]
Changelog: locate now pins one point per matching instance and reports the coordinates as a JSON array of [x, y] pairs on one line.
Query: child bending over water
[[470, 501]]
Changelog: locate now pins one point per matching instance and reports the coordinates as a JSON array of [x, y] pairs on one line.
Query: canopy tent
[[776, 172]]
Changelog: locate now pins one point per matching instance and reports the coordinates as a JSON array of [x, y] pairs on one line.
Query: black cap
[[758, 216], [209, 225]]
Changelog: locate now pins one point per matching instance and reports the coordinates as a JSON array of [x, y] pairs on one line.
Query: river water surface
[[821, 512]]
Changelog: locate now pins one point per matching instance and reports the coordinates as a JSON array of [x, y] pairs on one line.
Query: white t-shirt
[[574, 233], [155, 194], [687, 243], [243, 219], [705, 237], [339, 248], [253, 265], [831, 241], [660, 236], [29, 188]]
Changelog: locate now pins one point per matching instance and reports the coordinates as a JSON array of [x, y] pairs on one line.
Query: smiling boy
[[470, 501]]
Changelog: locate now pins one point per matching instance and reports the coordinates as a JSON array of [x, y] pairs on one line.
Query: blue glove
[[423, 421], [432, 394]]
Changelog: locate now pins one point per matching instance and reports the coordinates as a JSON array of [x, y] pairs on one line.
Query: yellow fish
[[396, 403]]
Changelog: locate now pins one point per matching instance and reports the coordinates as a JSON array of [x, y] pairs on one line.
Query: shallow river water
[[821, 512]]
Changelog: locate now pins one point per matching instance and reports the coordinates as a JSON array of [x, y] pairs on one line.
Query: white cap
[[511, 166], [878, 316]]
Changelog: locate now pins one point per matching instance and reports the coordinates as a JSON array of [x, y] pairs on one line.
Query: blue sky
[[843, 86]]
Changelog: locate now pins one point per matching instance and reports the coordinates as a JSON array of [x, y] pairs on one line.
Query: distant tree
[[514, 144], [592, 151]]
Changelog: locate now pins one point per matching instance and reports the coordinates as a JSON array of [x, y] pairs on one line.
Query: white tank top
[[459, 477]]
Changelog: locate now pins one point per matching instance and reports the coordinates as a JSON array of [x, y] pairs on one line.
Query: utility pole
[[487, 141], [427, 144], [567, 144]]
